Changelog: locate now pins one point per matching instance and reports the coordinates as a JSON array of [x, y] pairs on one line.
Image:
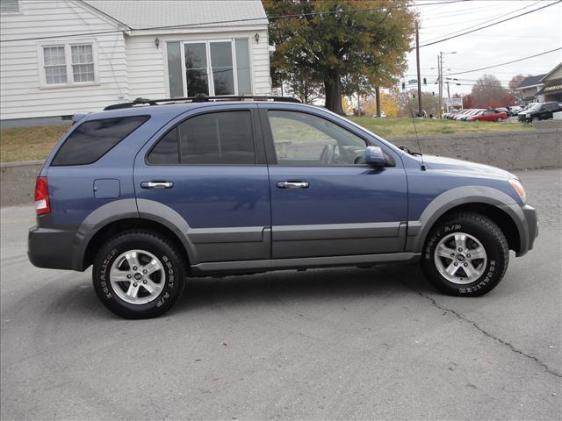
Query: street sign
[[454, 102]]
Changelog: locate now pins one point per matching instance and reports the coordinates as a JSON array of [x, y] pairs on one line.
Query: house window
[[82, 63], [55, 65], [68, 64], [9, 6], [209, 68]]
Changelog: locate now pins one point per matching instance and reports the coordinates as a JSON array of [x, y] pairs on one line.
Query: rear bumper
[[50, 248]]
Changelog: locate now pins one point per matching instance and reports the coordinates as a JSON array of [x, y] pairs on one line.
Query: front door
[[209, 68], [210, 169], [324, 201]]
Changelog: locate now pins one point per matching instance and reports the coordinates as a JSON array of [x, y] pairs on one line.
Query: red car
[[488, 115]]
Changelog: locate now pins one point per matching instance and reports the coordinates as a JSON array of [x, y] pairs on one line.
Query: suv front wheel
[[138, 274], [466, 255]]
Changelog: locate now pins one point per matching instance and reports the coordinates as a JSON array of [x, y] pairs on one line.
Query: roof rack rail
[[200, 98]]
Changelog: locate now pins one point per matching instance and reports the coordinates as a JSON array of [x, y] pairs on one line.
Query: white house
[[59, 57]]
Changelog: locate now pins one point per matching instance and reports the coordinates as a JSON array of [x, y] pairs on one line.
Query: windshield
[[535, 107]]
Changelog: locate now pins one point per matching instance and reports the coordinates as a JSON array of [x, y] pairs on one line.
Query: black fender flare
[[130, 209], [419, 230]]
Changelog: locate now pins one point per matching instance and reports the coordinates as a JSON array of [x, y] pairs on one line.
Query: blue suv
[[154, 191]]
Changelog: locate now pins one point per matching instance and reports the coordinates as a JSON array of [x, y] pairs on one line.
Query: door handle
[[292, 185], [157, 184]]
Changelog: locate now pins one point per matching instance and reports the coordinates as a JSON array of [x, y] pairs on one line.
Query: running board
[[308, 262]]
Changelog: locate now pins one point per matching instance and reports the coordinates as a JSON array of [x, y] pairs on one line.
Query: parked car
[[149, 194], [539, 111], [460, 114], [450, 115], [514, 110], [470, 113], [488, 115]]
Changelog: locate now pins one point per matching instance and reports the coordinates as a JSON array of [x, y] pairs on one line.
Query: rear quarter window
[[93, 139]]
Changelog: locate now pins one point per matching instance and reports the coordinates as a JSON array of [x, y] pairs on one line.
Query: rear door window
[[213, 138], [93, 139]]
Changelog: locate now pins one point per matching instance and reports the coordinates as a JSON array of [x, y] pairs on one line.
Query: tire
[[138, 274], [482, 274]]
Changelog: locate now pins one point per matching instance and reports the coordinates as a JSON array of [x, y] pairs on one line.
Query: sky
[[520, 37]]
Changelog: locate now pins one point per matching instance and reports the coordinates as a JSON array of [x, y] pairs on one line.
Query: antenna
[[423, 168]]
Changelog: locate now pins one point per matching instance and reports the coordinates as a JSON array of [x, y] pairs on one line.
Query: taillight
[[42, 203]]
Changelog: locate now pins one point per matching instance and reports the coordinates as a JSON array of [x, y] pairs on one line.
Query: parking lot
[[322, 344]]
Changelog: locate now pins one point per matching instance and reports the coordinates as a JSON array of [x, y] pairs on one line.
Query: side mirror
[[374, 157]]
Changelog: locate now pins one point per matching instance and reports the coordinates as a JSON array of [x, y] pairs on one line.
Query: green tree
[[408, 103], [348, 46]]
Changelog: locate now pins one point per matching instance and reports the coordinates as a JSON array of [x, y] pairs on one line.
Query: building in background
[[65, 56], [529, 88], [552, 85]]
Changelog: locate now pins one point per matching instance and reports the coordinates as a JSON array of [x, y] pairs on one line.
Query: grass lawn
[[34, 143], [28, 143], [402, 127]]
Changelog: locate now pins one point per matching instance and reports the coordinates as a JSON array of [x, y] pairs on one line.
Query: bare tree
[[489, 92]]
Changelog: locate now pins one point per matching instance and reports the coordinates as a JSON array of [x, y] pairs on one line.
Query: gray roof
[[552, 71], [530, 81], [143, 14]]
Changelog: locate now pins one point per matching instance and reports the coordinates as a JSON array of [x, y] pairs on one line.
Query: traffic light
[[424, 81]]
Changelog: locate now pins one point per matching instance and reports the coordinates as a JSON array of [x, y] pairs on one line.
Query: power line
[[455, 13], [489, 25], [481, 22], [506, 63], [80, 34], [194, 25]]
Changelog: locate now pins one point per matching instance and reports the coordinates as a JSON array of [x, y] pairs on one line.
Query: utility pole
[[418, 68], [448, 96], [440, 67], [440, 79], [378, 100]]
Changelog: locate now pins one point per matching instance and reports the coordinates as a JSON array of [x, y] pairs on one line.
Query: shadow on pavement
[[312, 285], [315, 286]]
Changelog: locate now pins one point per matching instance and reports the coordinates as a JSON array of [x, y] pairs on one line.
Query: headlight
[[518, 187]]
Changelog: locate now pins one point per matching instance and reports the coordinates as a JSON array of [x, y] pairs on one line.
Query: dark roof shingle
[[530, 81]]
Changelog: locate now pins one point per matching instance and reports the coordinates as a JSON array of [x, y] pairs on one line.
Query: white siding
[[127, 66], [148, 69], [20, 65]]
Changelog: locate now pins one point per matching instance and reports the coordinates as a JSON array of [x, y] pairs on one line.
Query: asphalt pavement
[[323, 344]]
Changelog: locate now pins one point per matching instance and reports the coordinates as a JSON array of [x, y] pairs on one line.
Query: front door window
[[209, 68], [196, 75], [305, 139], [221, 65]]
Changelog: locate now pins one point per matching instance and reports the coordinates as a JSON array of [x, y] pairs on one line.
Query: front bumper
[[50, 248], [531, 227]]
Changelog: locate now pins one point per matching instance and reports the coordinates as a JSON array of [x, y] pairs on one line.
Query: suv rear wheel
[[467, 255], [138, 274]]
